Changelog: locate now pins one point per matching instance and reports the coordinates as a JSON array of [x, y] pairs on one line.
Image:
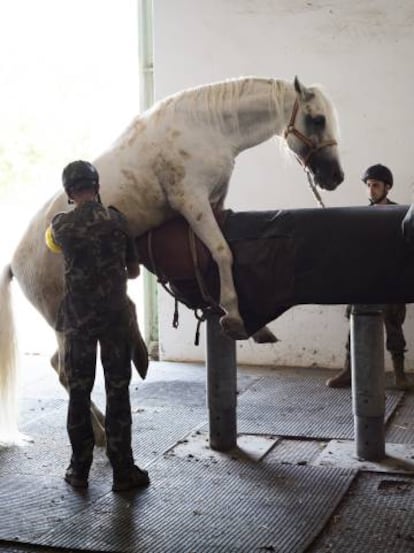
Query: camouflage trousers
[[80, 367], [394, 317]]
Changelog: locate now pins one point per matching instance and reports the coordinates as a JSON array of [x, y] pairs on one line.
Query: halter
[[313, 147]]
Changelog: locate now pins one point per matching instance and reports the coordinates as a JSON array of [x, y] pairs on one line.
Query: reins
[[313, 147], [314, 190]]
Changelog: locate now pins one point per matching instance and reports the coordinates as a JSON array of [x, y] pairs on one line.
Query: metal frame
[[368, 397], [146, 99]]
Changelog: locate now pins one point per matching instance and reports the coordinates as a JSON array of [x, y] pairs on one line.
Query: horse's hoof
[[264, 336], [233, 328], [98, 425]]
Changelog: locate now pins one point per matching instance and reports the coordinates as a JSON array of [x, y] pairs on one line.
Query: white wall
[[361, 52]]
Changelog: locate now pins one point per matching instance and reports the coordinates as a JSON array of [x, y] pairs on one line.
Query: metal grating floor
[[155, 431], [200, 504], [401, 427], [297, 403], [191, 506], [376, 516]]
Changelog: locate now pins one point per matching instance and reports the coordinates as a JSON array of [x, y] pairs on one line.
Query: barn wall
[[361, 53]]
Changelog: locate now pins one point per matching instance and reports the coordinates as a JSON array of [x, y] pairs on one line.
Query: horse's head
[[311, 135]]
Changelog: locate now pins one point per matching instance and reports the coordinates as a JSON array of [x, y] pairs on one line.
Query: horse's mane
[[217, 104], [212, 102], [208, 103], [214, 94], [215, 101]]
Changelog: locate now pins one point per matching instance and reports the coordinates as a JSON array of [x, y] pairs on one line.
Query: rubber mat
[[190, 506], [375, 517], [48, 451], [401, 427], [154, 430], [35, 505], [36, 408], [299, 404]]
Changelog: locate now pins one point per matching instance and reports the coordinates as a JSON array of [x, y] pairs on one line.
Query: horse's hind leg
[[97, 417]]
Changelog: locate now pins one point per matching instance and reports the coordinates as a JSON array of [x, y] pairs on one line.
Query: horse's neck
[[246, 112], [262, 112]]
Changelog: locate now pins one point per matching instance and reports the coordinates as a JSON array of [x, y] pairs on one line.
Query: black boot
[[400, 378], [343, 379], [77, 476], [129, 479]]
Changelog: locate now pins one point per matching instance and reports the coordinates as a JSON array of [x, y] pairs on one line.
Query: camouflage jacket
[[97, 248]]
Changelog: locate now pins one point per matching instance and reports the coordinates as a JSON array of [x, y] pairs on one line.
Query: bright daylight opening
[[69, 86]]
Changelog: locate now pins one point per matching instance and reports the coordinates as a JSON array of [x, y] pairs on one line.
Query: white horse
[[178, 157]]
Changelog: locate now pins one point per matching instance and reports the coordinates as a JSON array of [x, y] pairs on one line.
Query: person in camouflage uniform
[[99, 256], [379, 181]]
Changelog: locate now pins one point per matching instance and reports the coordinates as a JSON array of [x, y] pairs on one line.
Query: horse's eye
[[319, 121]]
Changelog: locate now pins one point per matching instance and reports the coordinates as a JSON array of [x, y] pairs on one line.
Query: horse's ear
[[303, 93]]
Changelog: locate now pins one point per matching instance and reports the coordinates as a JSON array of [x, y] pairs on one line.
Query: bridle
[[312, 148]]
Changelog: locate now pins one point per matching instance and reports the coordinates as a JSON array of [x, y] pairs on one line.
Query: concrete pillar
[[368, 396], [221, 386]]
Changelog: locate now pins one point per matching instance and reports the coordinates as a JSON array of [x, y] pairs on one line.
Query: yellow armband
[[50, 243]]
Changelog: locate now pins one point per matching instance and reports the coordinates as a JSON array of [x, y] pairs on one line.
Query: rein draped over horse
[[177, 158]]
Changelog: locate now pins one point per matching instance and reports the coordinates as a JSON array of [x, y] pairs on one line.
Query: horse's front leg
[[97, 417], [200, 216]]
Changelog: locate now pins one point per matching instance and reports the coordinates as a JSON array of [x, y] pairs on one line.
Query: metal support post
[[368, 396], [221, 386]]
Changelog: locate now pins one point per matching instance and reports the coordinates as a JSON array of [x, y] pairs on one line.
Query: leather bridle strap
[[313, 147]]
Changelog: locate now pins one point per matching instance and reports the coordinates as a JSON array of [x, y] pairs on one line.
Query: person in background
[[99, 257], [379, 181]]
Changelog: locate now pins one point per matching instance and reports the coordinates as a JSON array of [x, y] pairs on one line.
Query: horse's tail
[[8, 363]]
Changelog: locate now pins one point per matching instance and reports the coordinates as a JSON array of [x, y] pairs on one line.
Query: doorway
[[69, 76]]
